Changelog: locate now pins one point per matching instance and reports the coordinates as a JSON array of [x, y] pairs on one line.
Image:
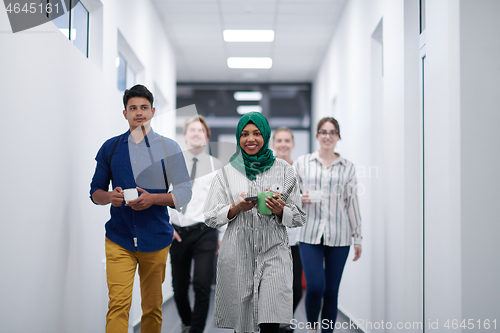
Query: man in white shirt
[[193, 240]]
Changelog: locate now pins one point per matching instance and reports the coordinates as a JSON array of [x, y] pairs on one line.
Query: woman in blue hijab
[[254, 269]]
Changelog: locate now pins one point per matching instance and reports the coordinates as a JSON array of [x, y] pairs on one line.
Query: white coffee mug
[[130, 194]]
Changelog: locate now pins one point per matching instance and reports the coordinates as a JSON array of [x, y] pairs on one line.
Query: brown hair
[[330, 119], [284, 129], [199, 118]]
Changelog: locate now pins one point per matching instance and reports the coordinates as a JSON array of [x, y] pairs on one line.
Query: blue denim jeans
[[323, 267]]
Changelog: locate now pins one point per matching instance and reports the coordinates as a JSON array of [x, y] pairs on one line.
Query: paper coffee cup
[[130, 194], [315, 196]]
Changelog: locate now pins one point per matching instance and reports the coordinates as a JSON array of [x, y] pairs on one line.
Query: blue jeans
[[323, 267]]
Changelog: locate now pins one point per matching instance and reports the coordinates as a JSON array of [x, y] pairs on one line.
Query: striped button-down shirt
[[254, 267], [336, 217]]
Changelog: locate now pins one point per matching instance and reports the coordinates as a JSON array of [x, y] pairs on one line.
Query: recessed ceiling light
[[248, 35], [248, 95], [242, 109], [250, 62]]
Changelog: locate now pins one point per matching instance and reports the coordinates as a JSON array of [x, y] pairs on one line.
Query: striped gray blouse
[[254, 268], [336, 218]]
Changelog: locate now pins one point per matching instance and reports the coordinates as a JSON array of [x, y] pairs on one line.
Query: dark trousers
[[199, 244], [269, 327], [297, 276], [323, 267]]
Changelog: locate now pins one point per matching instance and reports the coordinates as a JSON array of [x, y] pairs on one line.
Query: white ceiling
[[302, 28]]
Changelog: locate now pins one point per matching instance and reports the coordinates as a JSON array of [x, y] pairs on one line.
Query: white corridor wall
[[59, 107], [345, 77], [432, 146]]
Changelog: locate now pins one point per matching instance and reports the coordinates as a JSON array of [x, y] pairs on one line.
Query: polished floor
[[172, 322]]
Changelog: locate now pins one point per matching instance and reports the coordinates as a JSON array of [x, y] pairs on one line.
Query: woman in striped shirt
[[254, 268], [328, 182]]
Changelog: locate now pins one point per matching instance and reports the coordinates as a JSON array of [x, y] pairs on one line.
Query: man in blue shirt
[[138, 232]]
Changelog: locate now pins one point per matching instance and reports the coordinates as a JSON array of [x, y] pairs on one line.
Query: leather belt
[[197, 226]]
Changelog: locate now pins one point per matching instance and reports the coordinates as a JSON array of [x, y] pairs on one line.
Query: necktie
[[193, 174]]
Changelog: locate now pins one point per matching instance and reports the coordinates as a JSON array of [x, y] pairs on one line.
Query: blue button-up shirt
[[140, 164]]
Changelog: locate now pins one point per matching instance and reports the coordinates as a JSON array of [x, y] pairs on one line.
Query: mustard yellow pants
[[120, 269]]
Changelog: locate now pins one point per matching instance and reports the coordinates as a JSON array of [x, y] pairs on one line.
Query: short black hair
[[137, 91]]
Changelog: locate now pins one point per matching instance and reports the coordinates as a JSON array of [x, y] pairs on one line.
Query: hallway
[[172, 322], [414, 85]]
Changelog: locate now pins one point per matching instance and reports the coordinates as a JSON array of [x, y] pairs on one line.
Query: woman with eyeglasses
[[254, 267], [328, 183]]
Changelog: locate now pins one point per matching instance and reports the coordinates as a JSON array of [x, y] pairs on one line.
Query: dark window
[[422, 15], [74, 24]]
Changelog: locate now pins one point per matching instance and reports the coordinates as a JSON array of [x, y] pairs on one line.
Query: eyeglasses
[[325, 133]]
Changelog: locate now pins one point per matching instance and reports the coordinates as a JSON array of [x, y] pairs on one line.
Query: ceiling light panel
[[242, 109], [248, 35], [250, 62], [248, 95]]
